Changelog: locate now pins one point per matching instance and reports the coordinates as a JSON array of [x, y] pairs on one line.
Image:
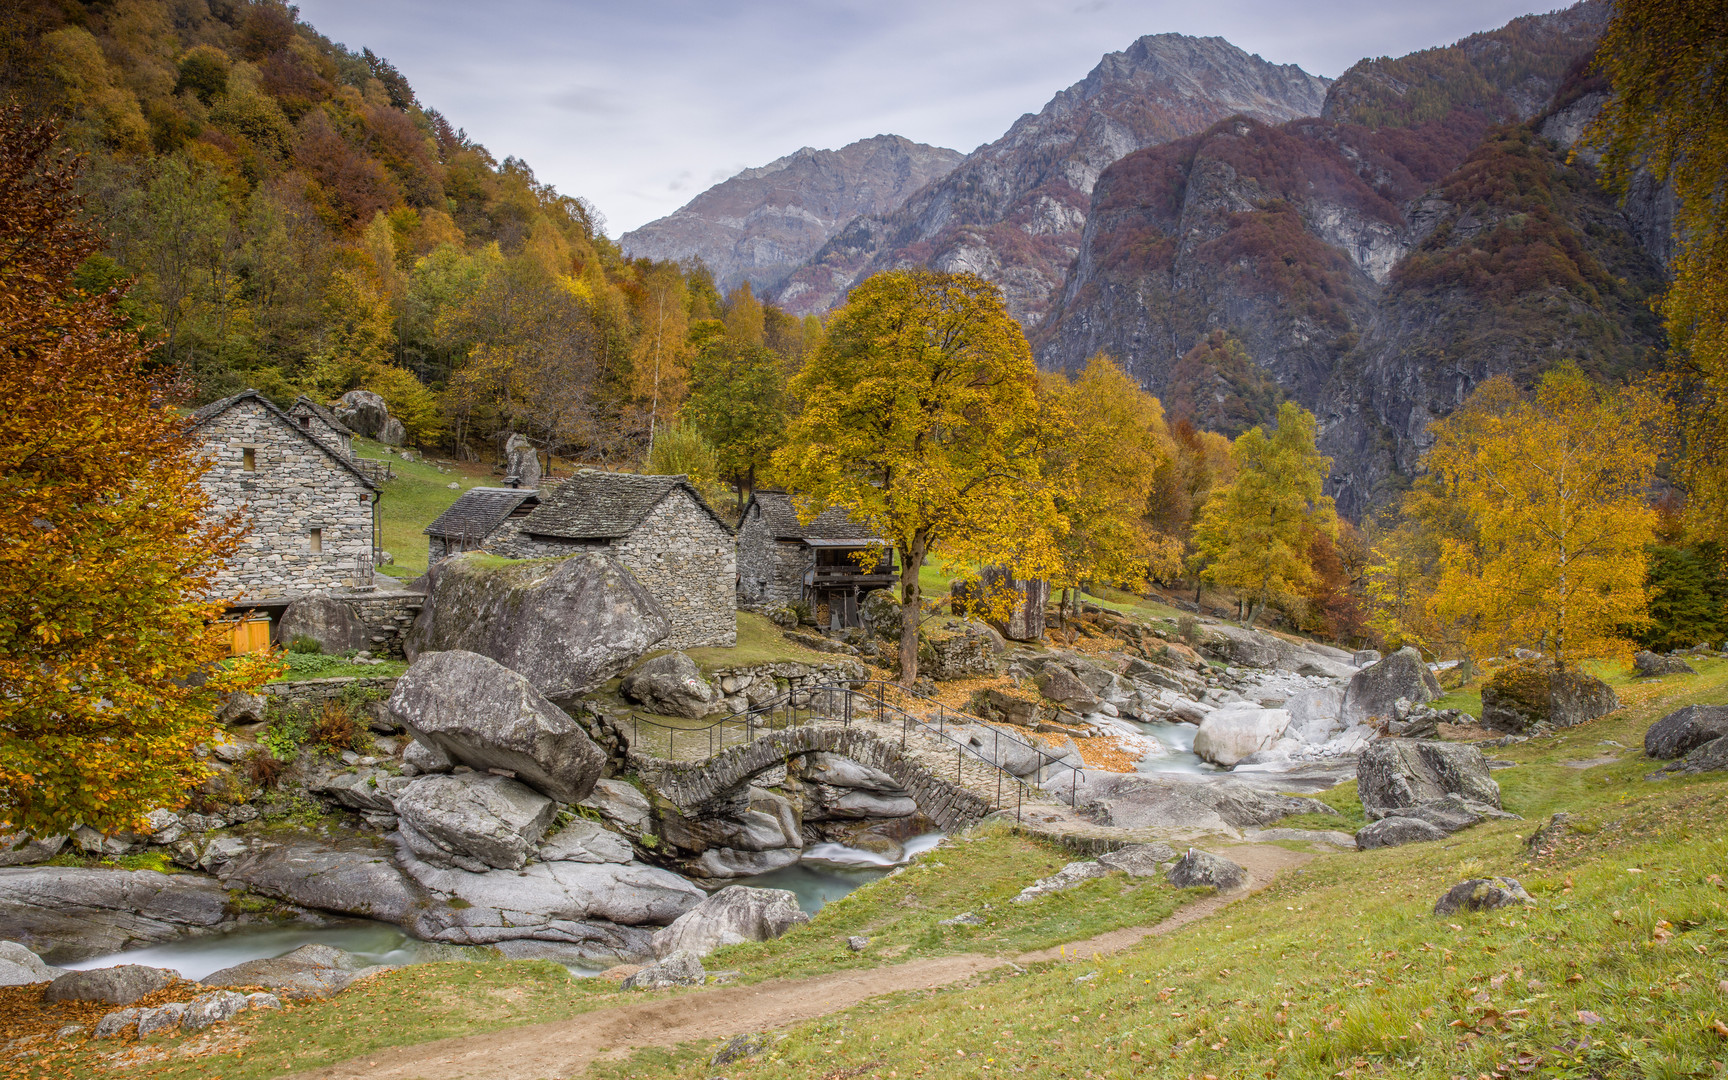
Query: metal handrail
[[763, 717]]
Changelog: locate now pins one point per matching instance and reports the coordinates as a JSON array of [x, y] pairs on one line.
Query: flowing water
[[196, 957], [826, 873], [829, 871], [1178, 741]]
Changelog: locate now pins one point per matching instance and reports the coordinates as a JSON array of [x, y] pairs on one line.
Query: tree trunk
[[910, 608]]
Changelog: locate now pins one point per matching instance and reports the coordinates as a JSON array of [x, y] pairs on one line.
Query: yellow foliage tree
[[1254, 533], [1666, 121], [108, 547], [1547, 548], [1104, 442], [920, 417]]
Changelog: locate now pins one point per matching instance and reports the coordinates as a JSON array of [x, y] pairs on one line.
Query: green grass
[[980, 873], [418, 494], [760, 641], [1341, 969], [338, 669]]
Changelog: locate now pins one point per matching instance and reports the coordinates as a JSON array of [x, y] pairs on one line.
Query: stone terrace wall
[[770, 571], [388, 616], [316, 692], [295, 487]]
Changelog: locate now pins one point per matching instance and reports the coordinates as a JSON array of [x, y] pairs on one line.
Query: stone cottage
[[311, 513], [474, 517], [659, 527], [781, 560], [322, 425]]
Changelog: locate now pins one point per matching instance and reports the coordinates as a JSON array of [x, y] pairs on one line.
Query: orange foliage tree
[[108, 651]]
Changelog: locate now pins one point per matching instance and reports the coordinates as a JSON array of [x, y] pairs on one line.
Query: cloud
[[628, 104]]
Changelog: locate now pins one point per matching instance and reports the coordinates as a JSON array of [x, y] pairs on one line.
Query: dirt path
[[563, 1048]]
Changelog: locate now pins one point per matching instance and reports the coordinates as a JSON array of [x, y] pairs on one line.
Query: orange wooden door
[[251, 636]]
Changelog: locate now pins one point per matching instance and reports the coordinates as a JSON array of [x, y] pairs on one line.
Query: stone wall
[[293, 488], [388, 616], [339, 442], [316, 692], [685, 559], [770, 571]]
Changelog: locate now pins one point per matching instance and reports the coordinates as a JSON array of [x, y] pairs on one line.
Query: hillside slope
[[764, 223], [1014, 209]]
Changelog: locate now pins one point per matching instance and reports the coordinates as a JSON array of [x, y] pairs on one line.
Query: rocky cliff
[[1376, 263], [1013, 211], [764, 223]]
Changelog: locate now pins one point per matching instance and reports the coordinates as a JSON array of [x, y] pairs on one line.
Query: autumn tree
[[1103, 445], [1666, 122], [1552, 490], [919, 416], [109, 549], [1255, 533], [738, 401]]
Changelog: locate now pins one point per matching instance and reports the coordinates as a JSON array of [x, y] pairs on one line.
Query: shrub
[[264, 769], [1189, 628], [336, 729], [303, 645]]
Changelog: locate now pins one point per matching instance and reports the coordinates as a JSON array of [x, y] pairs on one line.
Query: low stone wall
[[387, 615], [696, 787], [316, 692], [741, 687]]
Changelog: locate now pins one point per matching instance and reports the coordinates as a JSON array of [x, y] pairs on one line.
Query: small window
[[306, 422], [249, 459], [316, 539]]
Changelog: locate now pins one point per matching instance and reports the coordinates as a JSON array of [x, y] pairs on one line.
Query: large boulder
[[1710, 757], [1375, 690], [1482, 894], [392, 433], [331, 623], [475, 821], [1013, 606], [1065, 688], [1397, 775], [1139, 860], [1316, 714], [1005, 706], [1229, 735], [364, 412], [567, 625], [735, 914], [1651, 664], [622, 806], [21, 967], [959, 652], [22, 849], [670, 684], [1521, 696], [521, 462], [585, 841], [1684, 730], [556, 901], [357, 877], [482, 714], [66, 913], [119, 985]]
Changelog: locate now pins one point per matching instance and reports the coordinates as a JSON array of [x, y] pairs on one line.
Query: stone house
[[311, 513], [781, 560], [472, 518], [322, 425], [659, 527]]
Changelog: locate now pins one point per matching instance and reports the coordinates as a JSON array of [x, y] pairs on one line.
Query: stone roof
[[321, 413], [207, 413], [479, 511], [595, 505], [782, 518]]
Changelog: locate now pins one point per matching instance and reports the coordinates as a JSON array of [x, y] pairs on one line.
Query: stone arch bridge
[[717, 784]]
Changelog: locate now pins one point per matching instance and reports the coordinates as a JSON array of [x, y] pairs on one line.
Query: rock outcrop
[[567, 625], [21, 967], [1374, 692], [678, 969], [483, 714], [1482, 894], [119, 985], [1652, 665], [731, 916], [1230, 734], [311, 971], [69, 913], [1202, 868]]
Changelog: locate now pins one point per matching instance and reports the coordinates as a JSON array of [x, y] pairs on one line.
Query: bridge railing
[[872, 700]]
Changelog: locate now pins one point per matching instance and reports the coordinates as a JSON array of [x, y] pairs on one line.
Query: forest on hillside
[[287, 215]]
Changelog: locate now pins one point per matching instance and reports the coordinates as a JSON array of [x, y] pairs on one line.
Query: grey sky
[[640, 104]]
